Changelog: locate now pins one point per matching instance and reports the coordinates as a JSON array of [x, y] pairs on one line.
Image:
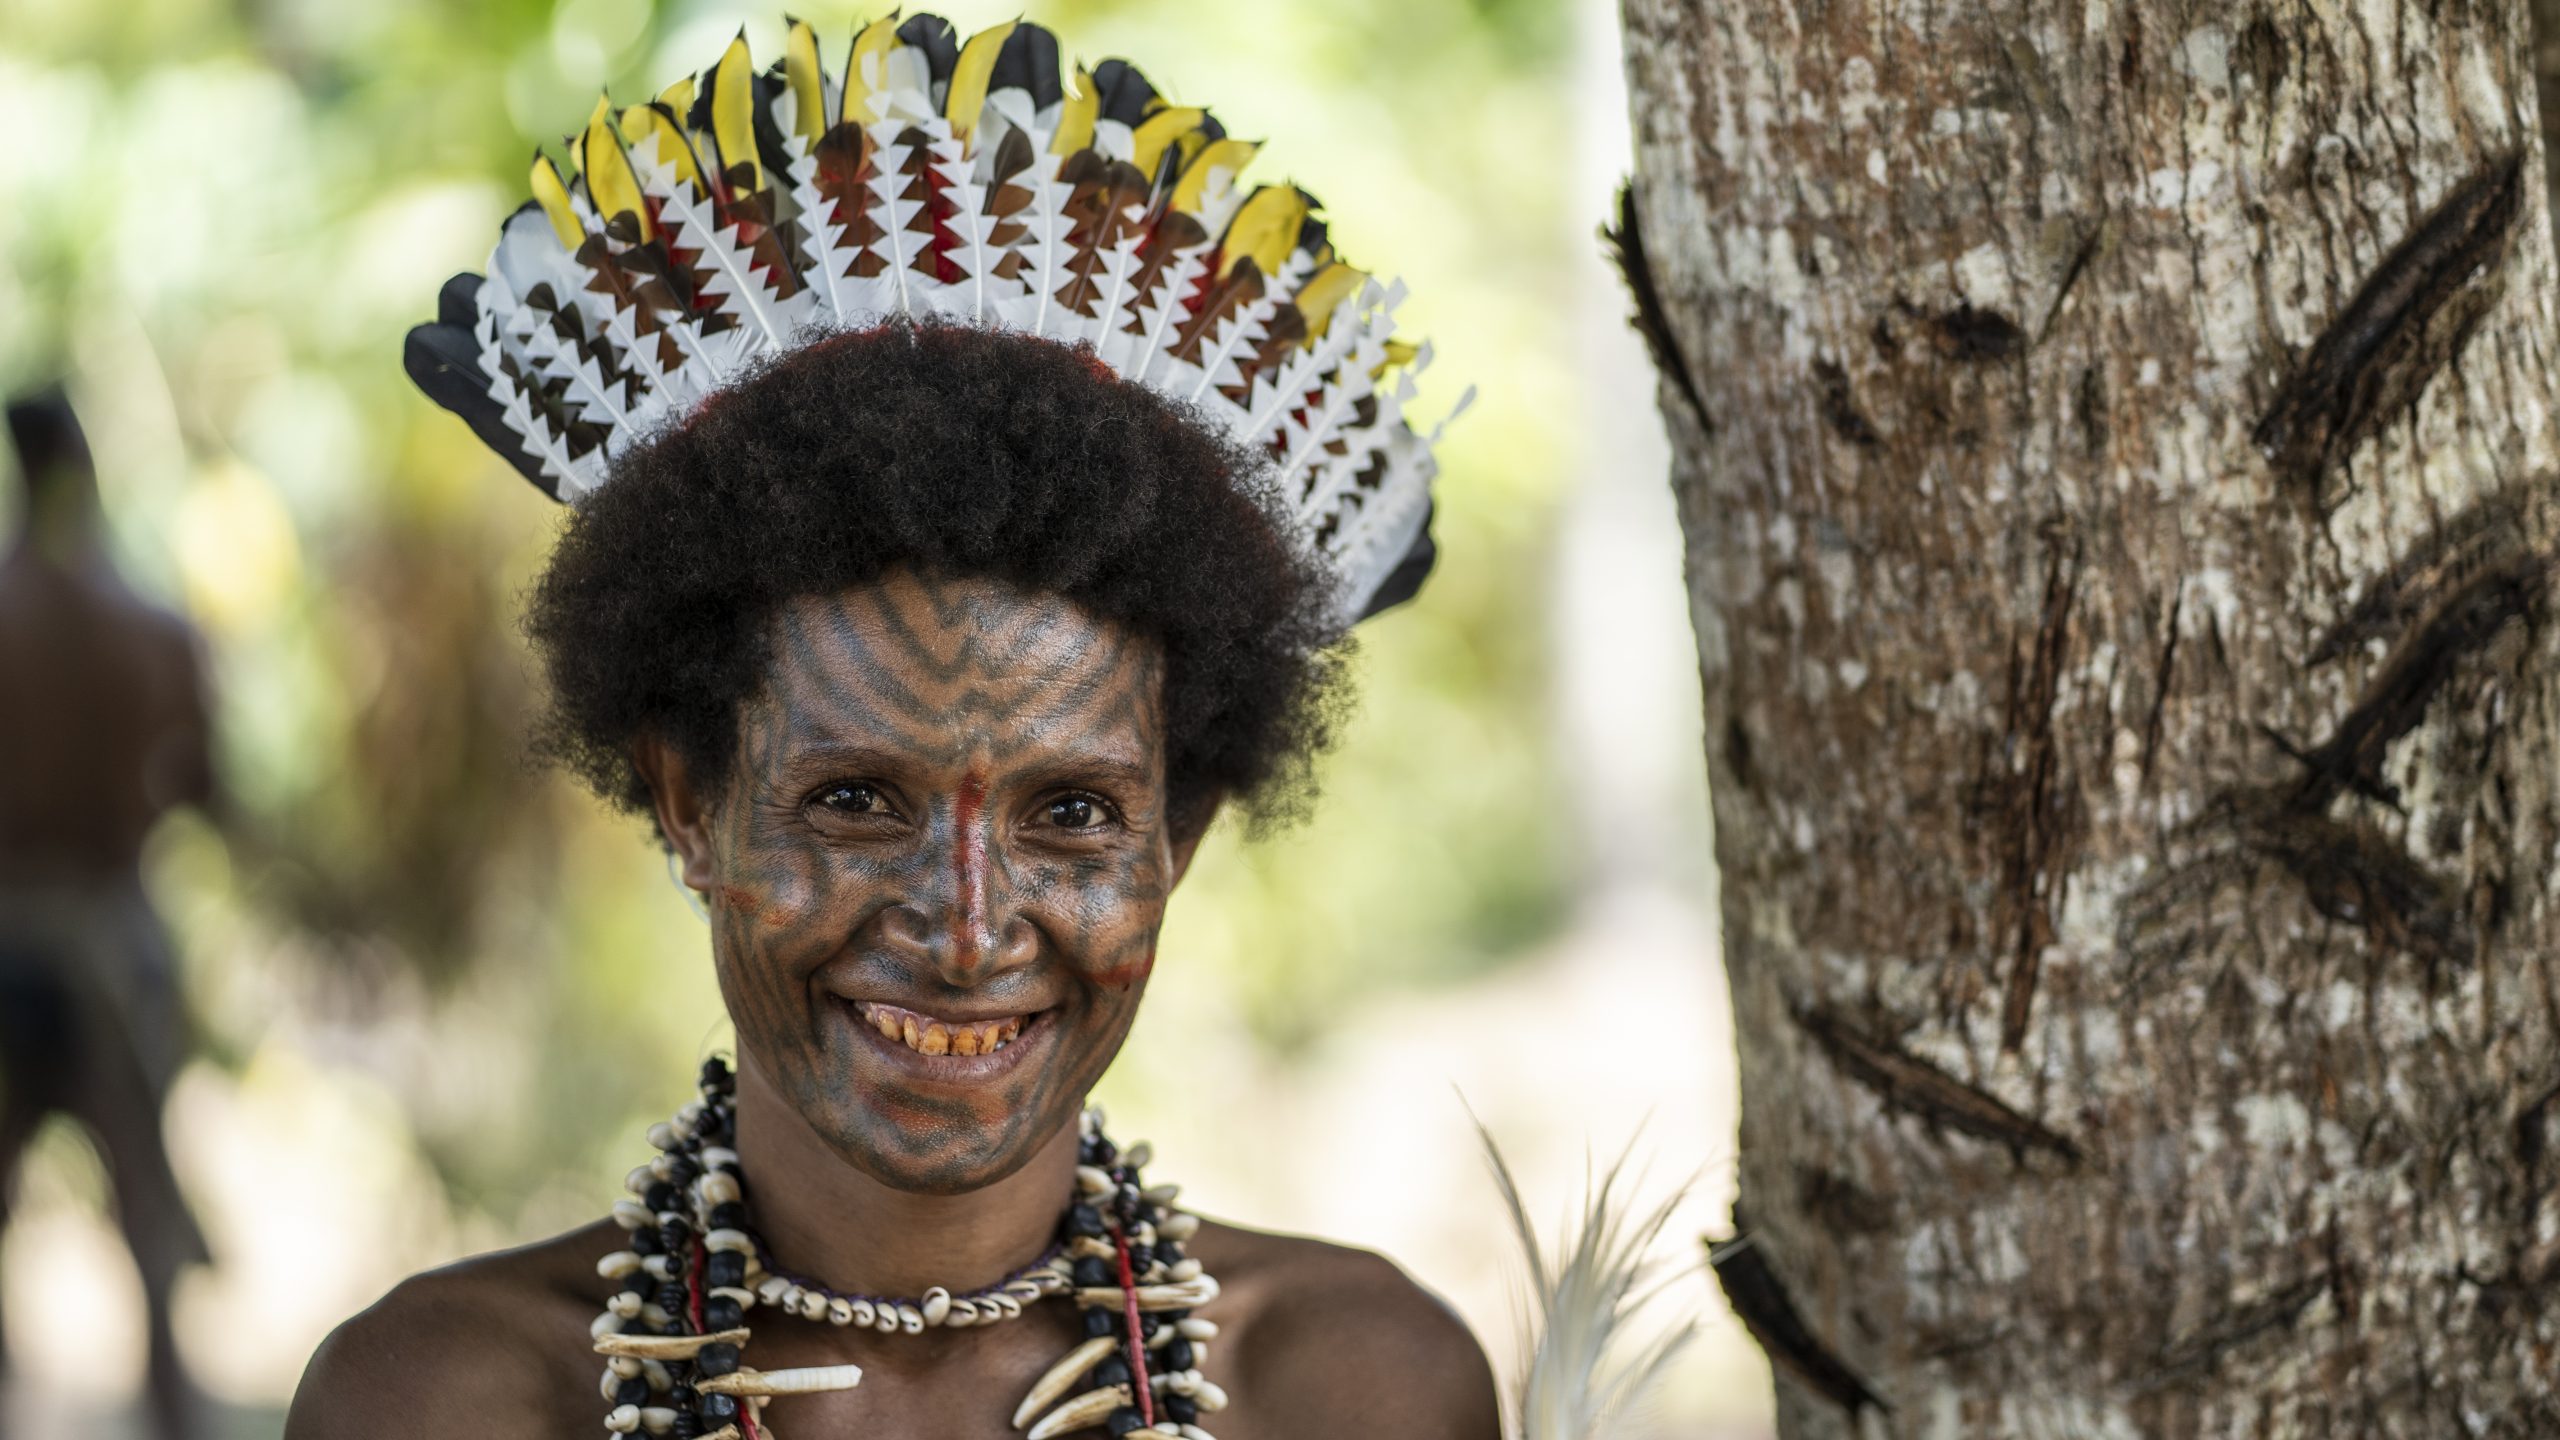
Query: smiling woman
[[974, 486], [952, 816]]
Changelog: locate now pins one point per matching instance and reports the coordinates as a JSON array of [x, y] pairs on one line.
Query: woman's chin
[[942, 1124]]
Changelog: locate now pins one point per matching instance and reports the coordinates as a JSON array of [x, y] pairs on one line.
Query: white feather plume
[[1578, 1380]]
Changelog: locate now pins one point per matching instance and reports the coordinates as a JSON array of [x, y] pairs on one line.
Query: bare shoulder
[[1324, 1338], [495, 1346]]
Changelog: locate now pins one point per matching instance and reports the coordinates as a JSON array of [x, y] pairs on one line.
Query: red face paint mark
[[969, 867], [1121, 977], [743, 900]]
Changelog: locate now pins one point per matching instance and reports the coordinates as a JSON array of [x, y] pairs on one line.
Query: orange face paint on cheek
[[746, 901], [1121, 977]]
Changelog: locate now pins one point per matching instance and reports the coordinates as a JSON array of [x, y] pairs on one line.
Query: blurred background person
[[103, 729]]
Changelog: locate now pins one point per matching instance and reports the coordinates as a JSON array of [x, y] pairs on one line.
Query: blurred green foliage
[[220, 216]]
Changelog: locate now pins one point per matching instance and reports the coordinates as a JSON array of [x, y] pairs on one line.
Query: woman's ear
[[684, 816]]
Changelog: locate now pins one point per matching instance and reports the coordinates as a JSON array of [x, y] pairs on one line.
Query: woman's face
[[937, 874]]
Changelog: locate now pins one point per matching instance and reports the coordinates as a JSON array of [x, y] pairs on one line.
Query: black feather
[[458, 303], [1406, 579], [1029, 61], [443, 359], [1125, 93], [771, 150], [1312, 233], [940, 43]]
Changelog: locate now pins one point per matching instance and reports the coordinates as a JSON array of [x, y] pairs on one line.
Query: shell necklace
[[691, 1270]]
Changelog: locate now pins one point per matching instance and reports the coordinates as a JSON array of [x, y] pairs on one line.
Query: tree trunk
[[2115, 442]]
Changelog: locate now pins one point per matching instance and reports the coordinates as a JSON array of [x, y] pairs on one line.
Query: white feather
[[982, 291], [742, 292], [1274, 397], [1043, 247], [899, 245], [1220, 353], [1103, 331], [1157, 317], [827, 258], [1577, 1382]]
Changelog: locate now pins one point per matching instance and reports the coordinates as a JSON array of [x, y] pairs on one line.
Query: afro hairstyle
[[955, 451]]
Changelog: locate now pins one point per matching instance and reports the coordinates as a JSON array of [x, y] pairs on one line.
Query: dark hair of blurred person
[[103, 729]]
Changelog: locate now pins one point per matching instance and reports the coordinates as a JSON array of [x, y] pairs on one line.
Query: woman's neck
[[827, 1222]]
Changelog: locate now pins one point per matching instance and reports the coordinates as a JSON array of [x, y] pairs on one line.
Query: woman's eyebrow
[[1109, 770], [1046, 767], [819, 753]]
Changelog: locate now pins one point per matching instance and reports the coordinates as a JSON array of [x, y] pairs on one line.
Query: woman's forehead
[[927, 663]]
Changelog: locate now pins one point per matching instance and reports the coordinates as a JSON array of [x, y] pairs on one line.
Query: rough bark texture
[[2115, 445]]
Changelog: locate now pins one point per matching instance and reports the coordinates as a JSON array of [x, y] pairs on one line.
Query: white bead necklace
[[673, 1334]]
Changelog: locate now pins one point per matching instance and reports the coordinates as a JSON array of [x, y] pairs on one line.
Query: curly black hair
[[955, 451]]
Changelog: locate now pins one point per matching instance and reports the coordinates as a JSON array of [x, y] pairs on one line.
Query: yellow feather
[[733, 115], [1266, 229], [808, 85], [1399, 352], [647, 129], [970, 76], [1229, 155], [1076, 115], [1317, 298], [554, 195], [678, 98], [1157, 131], [610, 181], [870, 49]]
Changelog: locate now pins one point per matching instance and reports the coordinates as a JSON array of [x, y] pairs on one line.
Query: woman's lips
[[933, 1048]]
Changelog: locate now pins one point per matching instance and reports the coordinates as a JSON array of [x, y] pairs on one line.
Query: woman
[[974, 481]]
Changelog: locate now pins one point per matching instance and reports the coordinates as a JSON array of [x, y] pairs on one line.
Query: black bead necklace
[[673, 1336]]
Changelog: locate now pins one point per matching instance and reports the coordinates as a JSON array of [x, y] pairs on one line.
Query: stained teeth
[[928, 1036]]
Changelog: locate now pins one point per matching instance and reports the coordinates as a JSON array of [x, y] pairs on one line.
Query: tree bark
[[2115, 443]]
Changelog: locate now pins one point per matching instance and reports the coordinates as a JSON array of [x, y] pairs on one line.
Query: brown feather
[[845, 158]]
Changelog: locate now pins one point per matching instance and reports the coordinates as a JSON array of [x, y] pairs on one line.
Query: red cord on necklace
[[1137, 1340], [693, 1290]]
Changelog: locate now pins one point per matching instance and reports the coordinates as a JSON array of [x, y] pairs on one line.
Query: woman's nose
[[968, 926], [963, 949]]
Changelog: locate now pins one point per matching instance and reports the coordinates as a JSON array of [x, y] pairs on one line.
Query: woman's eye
[[1075, 812], [851, 799]]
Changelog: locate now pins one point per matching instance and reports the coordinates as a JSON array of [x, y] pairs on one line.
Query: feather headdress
[[744, 213]]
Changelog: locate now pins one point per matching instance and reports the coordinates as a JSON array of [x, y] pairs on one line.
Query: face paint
[[941, 866], [969, 866]]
